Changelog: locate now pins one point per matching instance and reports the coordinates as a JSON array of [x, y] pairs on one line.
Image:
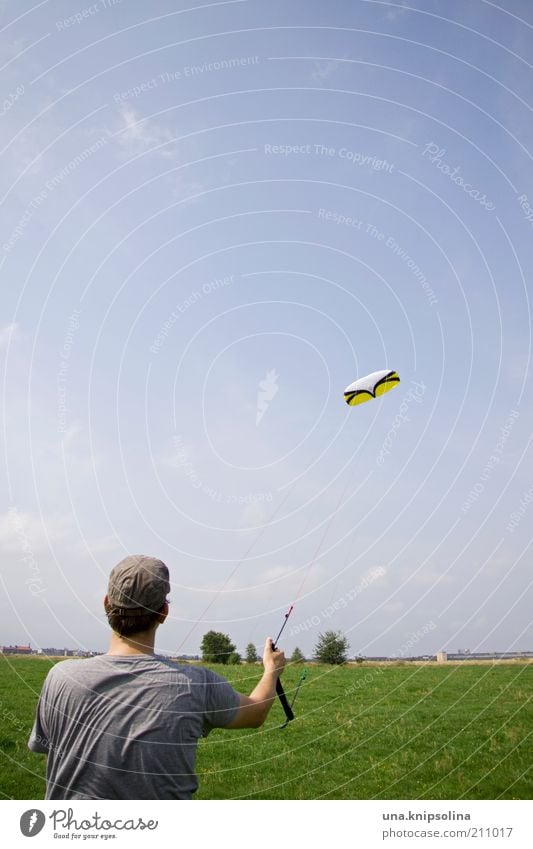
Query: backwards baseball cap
[[138, 585]]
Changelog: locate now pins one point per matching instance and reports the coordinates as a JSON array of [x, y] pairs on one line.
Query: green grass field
[[367, 732]]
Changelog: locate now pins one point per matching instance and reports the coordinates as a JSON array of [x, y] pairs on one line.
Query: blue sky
[[214, 218]]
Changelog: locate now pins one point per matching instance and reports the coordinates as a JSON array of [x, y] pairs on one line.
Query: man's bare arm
[[254, 709]]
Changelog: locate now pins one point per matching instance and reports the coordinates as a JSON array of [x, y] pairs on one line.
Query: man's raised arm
[[254, 709]]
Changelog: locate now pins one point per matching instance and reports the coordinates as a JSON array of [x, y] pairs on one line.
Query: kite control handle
[[279, 686], [303, 676], [284, 701]]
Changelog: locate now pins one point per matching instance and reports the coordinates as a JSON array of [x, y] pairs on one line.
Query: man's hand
[[254, 708], [273, 659]]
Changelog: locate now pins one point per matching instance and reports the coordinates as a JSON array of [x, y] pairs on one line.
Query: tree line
[[331, 647]]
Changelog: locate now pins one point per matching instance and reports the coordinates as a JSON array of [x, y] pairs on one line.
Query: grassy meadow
[[401, 731]]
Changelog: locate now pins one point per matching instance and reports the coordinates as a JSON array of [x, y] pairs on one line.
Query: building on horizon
[[17, 650]]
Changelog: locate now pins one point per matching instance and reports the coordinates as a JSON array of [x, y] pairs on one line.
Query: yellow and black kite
[[371, 386]]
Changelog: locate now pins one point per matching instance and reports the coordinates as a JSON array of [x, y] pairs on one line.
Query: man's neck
[[139, 644]]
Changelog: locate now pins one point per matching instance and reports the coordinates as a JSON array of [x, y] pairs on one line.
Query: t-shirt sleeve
[[221, 702], [38, 741]]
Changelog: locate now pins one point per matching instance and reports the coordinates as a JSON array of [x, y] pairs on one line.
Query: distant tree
[[331, 647], [251, 653], [234, 658], [216, 647], [297, 656]]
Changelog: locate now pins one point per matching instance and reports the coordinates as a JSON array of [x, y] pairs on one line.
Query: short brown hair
[[127, 626]]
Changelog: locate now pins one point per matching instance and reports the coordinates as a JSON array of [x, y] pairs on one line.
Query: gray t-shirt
[[127, 727]]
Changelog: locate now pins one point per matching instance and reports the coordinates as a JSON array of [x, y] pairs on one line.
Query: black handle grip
[[283, 699]]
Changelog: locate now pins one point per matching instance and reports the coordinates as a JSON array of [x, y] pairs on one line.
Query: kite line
[[362, 390]]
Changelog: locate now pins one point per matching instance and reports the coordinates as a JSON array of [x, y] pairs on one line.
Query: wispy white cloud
[[324, 68], [428, 577], [95, 546], [139, 134], [8, 334], [393, 607], [20, 530], [253, 515], [396, 10]]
